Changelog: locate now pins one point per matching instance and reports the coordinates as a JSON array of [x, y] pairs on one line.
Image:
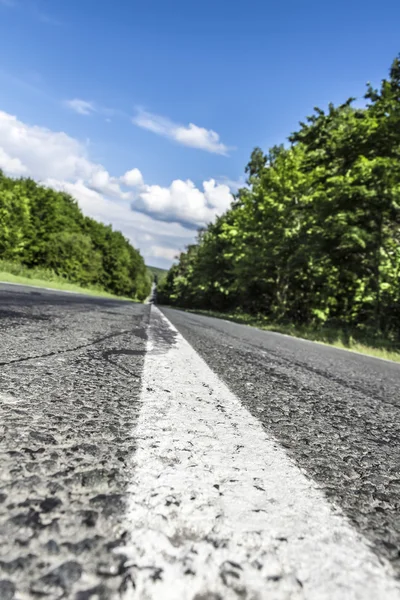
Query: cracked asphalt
[[337, 414], [70, 376], [70, 381]]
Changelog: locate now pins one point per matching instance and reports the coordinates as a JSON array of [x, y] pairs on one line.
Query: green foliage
[[354, 340], [157, 274], [16, 272], [314, 240], [42, 228]]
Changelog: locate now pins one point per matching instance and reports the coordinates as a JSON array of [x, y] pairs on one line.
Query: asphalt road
[[71, 372], [336, 412], [70, 376]]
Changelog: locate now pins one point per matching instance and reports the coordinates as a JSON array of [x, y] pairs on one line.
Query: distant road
[[161, 454]]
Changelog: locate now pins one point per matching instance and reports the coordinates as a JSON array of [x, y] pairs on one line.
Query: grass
[[355, 341], [11, 272]]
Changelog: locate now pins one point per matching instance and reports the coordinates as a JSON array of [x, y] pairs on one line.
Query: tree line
[[314, 239], [40, 227]]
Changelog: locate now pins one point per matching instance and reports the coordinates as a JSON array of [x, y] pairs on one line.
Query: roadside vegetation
[[44, 237], [157, 273], [12, 272], [339, 338], [311, 246]]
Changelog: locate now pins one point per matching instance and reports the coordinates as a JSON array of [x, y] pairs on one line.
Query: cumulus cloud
[[182, 201], [101, 181], [43, 152], [233, 184], [163, 252], [13, 166], [82, 107], [190, 135], [132, 178], [158, 242], [159, 220]]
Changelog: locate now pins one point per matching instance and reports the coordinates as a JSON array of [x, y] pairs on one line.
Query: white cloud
[[132, 178], [158, 242], [182, 201], [151, 216], [104, 183], [82, 107], [162, 252], [190, 135], [233, 184], [13, 166], [43, 152]]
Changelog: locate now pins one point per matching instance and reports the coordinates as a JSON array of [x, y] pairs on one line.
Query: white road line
[[151, 295], [218, 511]]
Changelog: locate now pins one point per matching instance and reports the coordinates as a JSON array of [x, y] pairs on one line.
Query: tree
[[42, 227], [315, 238]]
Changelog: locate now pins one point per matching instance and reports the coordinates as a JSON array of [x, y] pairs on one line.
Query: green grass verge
[[11, 272], [378, 347]]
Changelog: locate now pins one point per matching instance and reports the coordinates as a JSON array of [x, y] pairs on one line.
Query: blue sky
[[179, 90]]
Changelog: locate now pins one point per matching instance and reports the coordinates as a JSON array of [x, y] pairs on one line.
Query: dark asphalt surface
[[70, 378], [337, 413], [70, 375]]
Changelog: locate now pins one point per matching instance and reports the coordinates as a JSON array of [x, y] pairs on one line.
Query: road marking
[[150, 297], [218, 511]]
